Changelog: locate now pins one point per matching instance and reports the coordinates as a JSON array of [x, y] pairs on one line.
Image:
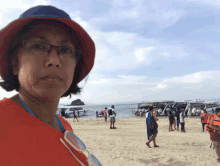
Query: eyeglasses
[[78, 145], [42, 49]]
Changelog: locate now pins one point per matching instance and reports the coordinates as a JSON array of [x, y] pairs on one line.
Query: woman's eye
[[39, 46], [65, 50]]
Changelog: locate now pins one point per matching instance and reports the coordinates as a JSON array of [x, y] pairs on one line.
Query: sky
[[146, 50]]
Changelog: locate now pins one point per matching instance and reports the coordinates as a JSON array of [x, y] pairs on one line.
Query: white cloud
[[143, 54], [161, 12], [117, 50], [5, 94], [161, 86], [100, 80], [8, 7], [138, 88], [190, 81], [213, 3]]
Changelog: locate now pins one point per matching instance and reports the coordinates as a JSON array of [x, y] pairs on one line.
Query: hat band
[[45, 16]]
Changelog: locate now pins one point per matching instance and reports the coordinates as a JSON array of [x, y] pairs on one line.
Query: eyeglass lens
[[77, 142], [94, 160]]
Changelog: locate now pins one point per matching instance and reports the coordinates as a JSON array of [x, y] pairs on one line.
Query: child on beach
[[182, 121]]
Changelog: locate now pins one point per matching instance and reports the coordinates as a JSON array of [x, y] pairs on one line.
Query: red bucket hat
[[46, 12]]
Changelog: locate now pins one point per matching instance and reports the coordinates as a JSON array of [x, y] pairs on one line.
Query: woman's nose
[[53, 58]]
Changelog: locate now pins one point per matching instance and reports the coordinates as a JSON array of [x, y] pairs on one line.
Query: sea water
[[122, 110]]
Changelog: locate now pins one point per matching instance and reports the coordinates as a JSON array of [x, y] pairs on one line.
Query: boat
[[69, 111]]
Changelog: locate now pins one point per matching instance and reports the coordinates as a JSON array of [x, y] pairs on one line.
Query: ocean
[[122, 110]]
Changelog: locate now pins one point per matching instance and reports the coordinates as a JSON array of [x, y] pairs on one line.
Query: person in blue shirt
[[151, 134], [97, 114]]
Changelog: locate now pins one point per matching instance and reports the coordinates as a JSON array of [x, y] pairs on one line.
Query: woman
[[151, 134], [213, 127], [105, 114], [204, 118], [44, 55], [177, 115], [174, 122], [182, 121], [171, 119]]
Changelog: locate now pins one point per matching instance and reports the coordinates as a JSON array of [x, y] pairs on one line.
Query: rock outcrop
[[77, 102]]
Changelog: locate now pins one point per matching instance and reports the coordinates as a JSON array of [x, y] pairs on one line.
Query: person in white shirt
[[182, 121], [112, 116], [74, 115]]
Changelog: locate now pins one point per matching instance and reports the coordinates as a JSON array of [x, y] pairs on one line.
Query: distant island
[[76, 102]]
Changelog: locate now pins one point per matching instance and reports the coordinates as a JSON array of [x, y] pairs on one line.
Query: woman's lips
[[52, 78]]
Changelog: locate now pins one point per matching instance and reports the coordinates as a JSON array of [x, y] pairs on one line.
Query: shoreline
[[159, 117]]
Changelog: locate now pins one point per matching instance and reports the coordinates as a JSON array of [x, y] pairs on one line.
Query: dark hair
[[11, 82], [217, 110], [151, 108], [113, 106], [105, 107]]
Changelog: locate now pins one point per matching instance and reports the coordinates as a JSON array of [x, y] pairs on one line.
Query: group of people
[[111, 113], [212, 123], [176, 117]]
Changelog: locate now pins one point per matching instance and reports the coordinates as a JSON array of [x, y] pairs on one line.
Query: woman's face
[[218, 113], [46, 76]]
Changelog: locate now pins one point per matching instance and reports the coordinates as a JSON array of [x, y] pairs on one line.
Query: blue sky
[[145, 50]]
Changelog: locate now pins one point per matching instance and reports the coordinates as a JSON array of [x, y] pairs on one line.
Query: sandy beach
[[125, 146]]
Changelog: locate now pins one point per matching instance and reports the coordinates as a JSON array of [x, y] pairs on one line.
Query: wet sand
[[126, 145]]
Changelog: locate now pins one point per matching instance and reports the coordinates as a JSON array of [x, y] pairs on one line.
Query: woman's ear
[[14, 65]]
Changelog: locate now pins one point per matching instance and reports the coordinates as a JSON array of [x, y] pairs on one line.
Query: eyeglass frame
[[78, 51], [79, 150]]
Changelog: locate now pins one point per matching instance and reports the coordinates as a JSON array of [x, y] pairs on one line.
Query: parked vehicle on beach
[[162, 108], [194, 108], [210, 107], [70, 111]]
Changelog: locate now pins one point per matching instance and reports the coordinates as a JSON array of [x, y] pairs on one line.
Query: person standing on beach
[[105, 114], [78, 113], [151, 133], [177, 115], [97, 114], [204, 118], [74, 115], [182, 121], [44, 55], [112, 116], [213, 127], [171, 119], [174, 117]]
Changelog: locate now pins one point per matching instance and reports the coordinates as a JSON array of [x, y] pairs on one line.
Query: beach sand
[[126, 145]]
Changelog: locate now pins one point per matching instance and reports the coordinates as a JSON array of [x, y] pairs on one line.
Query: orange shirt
[[205, 117], [104, 112], [27, 141]]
